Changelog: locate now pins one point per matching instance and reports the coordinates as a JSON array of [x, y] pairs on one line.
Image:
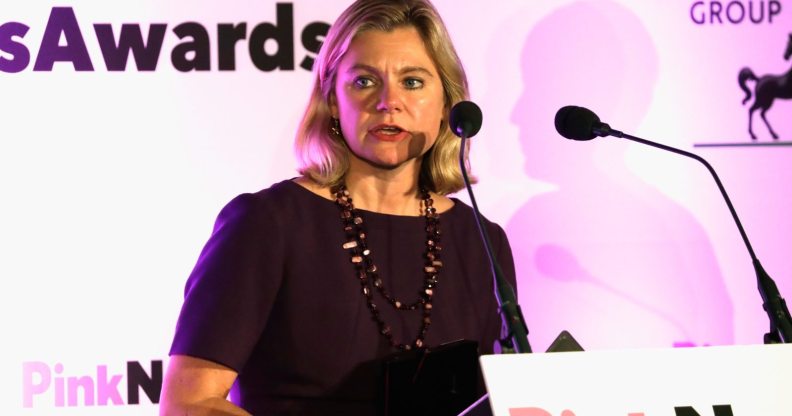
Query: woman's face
[[388, 97]]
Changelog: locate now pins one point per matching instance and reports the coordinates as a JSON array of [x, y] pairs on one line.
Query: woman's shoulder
[[290, 190], [276, 201], [462, 213]]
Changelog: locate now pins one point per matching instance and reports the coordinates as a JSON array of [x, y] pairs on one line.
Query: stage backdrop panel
[[114, 165]]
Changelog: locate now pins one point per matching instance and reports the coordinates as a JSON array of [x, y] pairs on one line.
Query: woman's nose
[[390, 99]]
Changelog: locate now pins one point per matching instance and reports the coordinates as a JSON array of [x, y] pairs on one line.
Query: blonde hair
[[324, 157]]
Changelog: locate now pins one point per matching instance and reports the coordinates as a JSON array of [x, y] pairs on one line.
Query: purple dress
[[275, 297]]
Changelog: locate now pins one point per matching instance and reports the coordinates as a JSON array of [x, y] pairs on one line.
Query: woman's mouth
[[388, 133]]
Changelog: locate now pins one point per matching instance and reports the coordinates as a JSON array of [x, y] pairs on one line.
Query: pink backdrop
[[112, 179]]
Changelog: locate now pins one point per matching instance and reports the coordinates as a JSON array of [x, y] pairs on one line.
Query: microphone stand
[[774, 304], [517, 338]]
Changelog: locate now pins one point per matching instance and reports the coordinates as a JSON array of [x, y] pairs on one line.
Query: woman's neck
[[387, 191]]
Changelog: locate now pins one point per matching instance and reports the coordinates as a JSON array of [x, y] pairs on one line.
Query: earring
[[335, 127]]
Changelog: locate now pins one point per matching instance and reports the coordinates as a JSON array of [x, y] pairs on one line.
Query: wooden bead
[[360, 256]]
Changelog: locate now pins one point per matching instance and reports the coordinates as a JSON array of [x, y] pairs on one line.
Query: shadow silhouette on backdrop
[[766, 90], [604, 255]]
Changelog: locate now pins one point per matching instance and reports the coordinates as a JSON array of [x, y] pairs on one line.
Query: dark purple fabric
[[275, 297]]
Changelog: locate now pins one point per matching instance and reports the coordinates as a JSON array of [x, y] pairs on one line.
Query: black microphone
[[465, 119], [465, 122], [579, 123]]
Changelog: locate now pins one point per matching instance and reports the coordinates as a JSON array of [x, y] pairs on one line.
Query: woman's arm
[[194, 386]]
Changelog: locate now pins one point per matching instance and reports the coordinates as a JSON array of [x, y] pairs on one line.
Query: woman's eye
[[413, 83], [362, 82]]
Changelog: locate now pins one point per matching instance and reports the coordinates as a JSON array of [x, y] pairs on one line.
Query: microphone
[[465, 119], [579, 123], [465, 122]]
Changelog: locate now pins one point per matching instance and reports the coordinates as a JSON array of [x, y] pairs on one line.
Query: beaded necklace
[[366, 270]]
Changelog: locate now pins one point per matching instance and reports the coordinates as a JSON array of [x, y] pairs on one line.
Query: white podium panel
[[749, 380]]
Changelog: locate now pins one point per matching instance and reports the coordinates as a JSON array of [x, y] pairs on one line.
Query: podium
[[747, 380], [442, 381]]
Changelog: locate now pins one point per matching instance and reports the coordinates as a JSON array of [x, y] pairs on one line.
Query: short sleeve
[[231, 290]]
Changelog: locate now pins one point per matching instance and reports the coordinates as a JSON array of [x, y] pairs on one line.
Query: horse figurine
[[767, 89]]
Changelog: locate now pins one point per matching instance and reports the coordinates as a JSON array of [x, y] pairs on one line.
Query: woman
[[304, 283]]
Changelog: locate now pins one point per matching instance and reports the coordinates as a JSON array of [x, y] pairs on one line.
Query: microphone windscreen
[[576, 123], [465, 119]]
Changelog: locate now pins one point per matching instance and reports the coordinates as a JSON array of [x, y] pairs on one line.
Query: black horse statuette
[[767, 89]]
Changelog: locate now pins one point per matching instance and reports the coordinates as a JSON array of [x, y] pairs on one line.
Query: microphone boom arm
[[774, 304], [511, 314]]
